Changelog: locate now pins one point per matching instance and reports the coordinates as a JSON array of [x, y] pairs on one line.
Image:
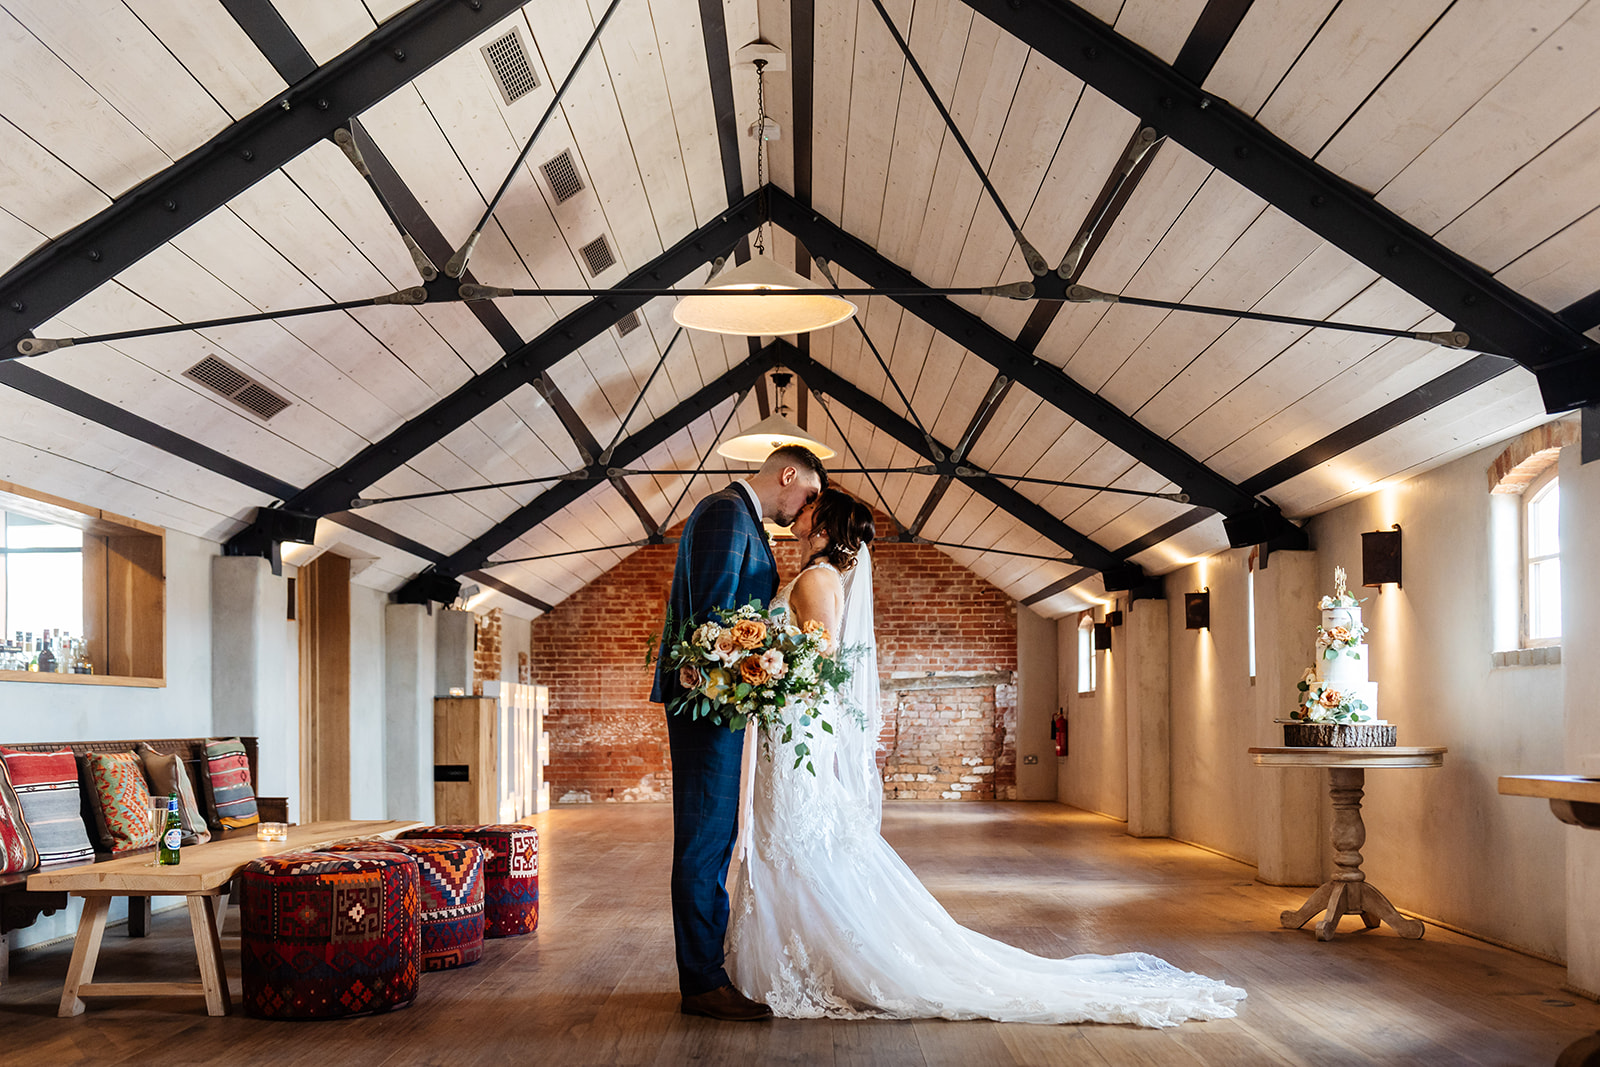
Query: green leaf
[[1332, 653], [741, 690], [1303, 687], [737, 722], [825, 725]]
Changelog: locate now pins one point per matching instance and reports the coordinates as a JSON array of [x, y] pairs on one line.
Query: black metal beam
[[476, 554], [165, 205], [1500, 320], [1050, 383], [823, 380], [335, 490]]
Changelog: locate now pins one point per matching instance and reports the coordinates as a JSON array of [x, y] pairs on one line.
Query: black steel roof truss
[[1498, 319]]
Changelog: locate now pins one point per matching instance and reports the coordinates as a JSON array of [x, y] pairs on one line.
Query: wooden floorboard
[[596, 983]]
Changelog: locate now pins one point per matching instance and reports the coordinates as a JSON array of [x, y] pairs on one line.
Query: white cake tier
[[1344, 670], [1350, 618]]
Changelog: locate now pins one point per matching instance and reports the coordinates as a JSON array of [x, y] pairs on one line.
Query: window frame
[[1535, 492], [1087, 667]]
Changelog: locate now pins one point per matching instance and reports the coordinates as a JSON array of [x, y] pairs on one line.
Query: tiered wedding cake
[[1336, 691]]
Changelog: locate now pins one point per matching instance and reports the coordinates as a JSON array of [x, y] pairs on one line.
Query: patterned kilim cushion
[[168, 775], [47, 785], [123, 799], [17, 853], [231, 794], [452, 896], [510, 873], [323, 936]]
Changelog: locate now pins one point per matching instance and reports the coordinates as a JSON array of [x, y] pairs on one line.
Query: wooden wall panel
[[136, 606], [324, 628]]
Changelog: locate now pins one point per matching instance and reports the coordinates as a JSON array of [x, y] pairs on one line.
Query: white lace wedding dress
[[827, 921]]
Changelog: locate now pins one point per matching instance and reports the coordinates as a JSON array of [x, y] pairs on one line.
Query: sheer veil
[[861, 720]]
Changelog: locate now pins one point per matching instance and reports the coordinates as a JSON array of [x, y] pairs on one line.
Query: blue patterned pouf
[[452, 896], [324, 936]]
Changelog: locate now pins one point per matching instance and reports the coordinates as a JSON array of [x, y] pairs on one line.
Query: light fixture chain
[[761, 154]]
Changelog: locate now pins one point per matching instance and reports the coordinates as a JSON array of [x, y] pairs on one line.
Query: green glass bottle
[[172, 835]]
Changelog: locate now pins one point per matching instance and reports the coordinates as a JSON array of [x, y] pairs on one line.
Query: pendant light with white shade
[[771, 433]]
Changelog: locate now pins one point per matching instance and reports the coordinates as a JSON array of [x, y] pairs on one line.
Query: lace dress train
[[828, 921]]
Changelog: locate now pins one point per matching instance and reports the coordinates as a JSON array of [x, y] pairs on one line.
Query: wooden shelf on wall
[[124, 591]]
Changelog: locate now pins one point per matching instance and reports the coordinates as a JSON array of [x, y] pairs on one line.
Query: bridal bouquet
[[750, 666]]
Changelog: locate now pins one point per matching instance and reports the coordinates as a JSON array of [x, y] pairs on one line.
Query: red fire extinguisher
[[1058, 730]]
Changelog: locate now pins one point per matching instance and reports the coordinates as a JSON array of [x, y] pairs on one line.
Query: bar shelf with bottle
[[123, 622]]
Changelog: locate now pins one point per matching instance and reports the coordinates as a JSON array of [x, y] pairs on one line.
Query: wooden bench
[[202, 875], [21, 906]]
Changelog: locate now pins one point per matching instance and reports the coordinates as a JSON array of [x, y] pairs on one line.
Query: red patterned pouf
[[324, 936], [510, 873], [452, 896]]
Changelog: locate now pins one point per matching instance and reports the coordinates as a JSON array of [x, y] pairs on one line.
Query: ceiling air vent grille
[[597, 253], [249, 394], [508, 62], [627, 324], [562, 176]]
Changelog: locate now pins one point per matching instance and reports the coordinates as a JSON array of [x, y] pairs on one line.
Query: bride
[[827, 921]]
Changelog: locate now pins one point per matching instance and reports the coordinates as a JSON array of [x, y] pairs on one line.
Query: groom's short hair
[[797, 456]]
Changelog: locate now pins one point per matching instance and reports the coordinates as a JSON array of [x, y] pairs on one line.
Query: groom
[[723, 562]]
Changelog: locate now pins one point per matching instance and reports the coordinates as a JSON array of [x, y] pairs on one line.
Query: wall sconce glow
[[1197, 610], [810, 308], [1380, 557]]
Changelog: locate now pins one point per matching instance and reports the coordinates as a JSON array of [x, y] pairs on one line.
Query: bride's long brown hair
[[847, 522]]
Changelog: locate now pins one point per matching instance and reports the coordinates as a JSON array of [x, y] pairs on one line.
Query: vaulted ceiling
[[1423, 167]]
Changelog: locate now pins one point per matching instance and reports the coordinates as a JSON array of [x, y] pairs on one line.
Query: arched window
[[1086, 653]]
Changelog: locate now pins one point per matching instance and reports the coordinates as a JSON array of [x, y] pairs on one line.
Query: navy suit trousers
[[705, 821]]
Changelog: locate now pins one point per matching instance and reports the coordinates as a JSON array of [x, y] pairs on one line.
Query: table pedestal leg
[[1348, 893], [85, 953]]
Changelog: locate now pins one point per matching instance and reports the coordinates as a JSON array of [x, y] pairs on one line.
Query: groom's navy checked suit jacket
[[723, 562]]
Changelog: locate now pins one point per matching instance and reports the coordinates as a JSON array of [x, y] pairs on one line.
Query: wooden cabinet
[[464, 779]]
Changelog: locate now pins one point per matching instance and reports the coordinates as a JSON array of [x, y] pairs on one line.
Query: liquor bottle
[[47, 658], [171, 836]]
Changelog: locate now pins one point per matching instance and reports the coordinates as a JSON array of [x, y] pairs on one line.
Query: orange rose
[[1331, 698], [689, 676], [752, 672], [749, 633]]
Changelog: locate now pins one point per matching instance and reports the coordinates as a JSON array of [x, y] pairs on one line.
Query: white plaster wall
[[367, 716], [1036, 704], [1444, 843], [1580, 629], [1214, 783], [516, 636], [1094, 773]]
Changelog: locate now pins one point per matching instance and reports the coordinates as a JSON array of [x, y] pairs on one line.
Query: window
[[1086, 654], [43, 577], [1250, 617], [1541, 563]]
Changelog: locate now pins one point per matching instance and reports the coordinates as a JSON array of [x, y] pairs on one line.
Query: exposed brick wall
[[608, 742], [486, 652]]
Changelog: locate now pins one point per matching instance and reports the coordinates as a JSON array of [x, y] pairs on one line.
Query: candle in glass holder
[[272, 831]]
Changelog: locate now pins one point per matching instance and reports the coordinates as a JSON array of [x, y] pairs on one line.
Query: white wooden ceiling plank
[[985, 93], [1390, 372], [834, 46], [47, 100], [1139, 517], [1351, 55], [1045, 426], [217, 52], [1172, 180], [1503, 407], [327, 179], [1010, 416], [448, 469], [326, 27], [404, 129], [436, 523], [938, 35], [1455, 65], [40, 190], [1547, 94], [462, 331], [1561, 269], [1543, 197], [587, 395], [877, 77], [535, 413], [17, 239], [488, 458], [1185, 547], [1317, 287], [1297, 371], [683, 56], [117, 55], [773, 25], [1159, 26], [1266, 44]]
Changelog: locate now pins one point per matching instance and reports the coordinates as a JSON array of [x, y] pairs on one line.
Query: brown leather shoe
[[727, 1004]]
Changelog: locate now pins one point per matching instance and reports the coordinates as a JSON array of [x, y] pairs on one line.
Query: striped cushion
[[231, 794], [123, 799], [17, 853], [47, 785]]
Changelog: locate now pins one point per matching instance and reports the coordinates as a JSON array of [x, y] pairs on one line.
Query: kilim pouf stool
[[510, 873], [452, 896], [324, 936]]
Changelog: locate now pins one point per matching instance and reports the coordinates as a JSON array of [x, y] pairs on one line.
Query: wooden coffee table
[[202, 876], [1348, 892]]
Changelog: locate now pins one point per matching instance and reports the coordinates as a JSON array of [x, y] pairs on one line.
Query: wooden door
[[324, 615]]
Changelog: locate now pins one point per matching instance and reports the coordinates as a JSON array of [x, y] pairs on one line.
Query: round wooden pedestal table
[[1348, 892]]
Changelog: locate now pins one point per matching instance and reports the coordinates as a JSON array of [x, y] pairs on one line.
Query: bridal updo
[[847, 522]]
